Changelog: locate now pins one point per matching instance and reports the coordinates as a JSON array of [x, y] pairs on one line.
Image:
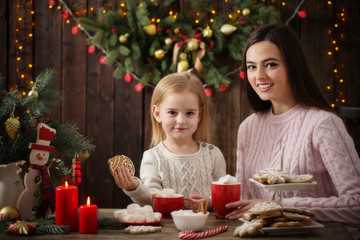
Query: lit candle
[[66, 206], [88, 221]]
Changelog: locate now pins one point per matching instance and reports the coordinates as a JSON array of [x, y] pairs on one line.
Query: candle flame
[[66, 184], [88, 201]]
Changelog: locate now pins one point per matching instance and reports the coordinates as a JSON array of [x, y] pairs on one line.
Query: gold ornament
[[159, 54], [12, 126], [183, 65], [84, 155], [207, 32], [9, 214], [168, 41], [193, 45], [122, 39], [150, 29], [245, 12], [33, 94], [227, 29]]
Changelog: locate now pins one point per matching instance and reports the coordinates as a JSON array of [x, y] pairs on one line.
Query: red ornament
[[52, 2], [223, 87], [208, 92], [65, 15], [128, 77], [113, 30], [149, 59], [150, 74], [302, 14], [242, 22], [168, 31], [242, 75], [211, 46], [91, 49], [159, 29], [256, 27], [174, 39], [139, 87], [102, 59], [74, 30], [101, 19], [76, 172]]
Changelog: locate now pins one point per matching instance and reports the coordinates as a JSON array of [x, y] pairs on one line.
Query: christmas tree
[[20, 116]]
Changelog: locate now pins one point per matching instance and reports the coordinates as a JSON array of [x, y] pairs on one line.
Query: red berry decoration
[[242, 75], [208, 92], [91, 49], [223, 87], [139, 87], [128, 77], [102, 59], [302, 14]]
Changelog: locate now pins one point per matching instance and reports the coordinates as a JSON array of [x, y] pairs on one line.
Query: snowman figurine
[[38, 196]]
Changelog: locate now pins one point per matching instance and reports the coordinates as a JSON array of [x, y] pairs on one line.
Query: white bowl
[[188, 220]]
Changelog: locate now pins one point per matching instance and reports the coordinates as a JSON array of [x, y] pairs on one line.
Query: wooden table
[[169, 231]]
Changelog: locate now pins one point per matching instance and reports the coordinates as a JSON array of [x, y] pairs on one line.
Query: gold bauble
[[150, 29], [193, 45], [182, 66], [207, 32], [122, 39], [245, 11], [227, 29], [33, 94], [9, 214], [159, 54], [84, 155], [168, 41], [12, 126]]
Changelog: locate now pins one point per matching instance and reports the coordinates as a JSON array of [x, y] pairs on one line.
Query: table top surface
[[169, 231]]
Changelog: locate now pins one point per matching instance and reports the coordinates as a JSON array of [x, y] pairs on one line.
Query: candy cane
[[191, 235]]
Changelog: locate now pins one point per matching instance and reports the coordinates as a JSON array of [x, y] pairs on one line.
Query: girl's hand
[[200, 198], [242, 206], [124, 180]]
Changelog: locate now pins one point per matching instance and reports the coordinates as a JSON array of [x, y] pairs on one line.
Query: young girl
[[294, 120], [179, 158]]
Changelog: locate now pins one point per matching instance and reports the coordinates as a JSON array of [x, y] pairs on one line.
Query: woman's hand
[[124, 180], [241, 207], [200, 198]]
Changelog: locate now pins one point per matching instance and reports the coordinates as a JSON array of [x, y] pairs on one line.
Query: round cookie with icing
[[121, 160]]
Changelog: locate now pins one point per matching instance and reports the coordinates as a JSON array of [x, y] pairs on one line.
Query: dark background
[[116, 117]]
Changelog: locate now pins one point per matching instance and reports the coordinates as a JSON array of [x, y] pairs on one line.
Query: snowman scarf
[[48, 194]]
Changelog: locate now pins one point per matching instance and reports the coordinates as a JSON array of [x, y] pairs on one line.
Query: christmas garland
[[149, 40]]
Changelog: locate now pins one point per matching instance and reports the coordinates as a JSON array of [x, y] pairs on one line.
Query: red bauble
[[52, 2], [91, 49], [242, 75], [102, 59], [74, 30], [128, 77], [302, 14], [208, 92], [223, 87], [139, 87]]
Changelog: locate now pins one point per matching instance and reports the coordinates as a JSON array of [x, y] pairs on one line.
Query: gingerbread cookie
[[300, 211], [271, 176], [248, 227], [304, 178], [287, 224], [142, 229], [121, 160], [264, 207]]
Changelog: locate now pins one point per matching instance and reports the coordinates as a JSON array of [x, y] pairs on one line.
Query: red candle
[[66, 206], [88, 221]]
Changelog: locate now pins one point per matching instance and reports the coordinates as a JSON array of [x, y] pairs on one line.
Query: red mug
[[222, 194], [165, 205]]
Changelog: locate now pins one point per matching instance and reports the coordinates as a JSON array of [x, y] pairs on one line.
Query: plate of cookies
[[270, 218], [276, 180], [134, 214]]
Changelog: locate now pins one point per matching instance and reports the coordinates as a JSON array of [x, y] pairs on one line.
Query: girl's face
[[267, 74], [179, 115]]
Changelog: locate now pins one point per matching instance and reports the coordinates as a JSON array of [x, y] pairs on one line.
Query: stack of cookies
[[276, 176], [269, 214]]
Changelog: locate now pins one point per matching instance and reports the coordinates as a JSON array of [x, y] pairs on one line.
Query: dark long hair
[[303, 85]]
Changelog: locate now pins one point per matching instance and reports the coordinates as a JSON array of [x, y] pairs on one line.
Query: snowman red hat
[[44, 136]]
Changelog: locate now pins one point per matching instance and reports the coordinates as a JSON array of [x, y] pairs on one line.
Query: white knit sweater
[[187, 174]]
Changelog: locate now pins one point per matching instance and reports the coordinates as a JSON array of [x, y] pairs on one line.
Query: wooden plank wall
[[117, 118]]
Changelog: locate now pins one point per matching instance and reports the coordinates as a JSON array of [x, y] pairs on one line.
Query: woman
[[293, 122]]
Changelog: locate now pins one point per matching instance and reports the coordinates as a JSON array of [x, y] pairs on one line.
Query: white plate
[[291, 230], [284, 186]]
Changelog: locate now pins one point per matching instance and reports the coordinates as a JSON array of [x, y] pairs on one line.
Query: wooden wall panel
[[117, 118]]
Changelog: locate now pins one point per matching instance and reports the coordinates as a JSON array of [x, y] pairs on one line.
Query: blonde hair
[[175, 83]]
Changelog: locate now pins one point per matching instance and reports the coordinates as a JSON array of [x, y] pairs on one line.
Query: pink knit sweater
[[315, 142]]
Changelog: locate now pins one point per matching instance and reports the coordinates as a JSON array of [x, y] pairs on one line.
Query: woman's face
[[267, 74]]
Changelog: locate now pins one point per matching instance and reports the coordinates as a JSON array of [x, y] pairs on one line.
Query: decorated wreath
[[148, 40]]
